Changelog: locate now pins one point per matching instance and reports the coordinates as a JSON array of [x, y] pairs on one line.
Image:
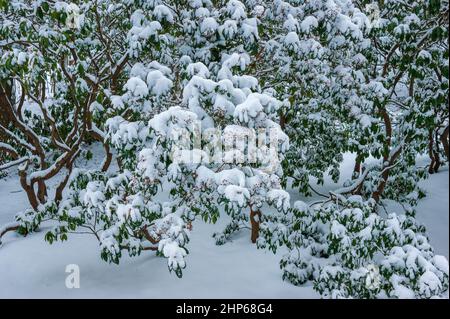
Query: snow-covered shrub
[[146, 125], [119, 212], [407, 121], [342, 95], [124, 210], [314, 56], [60, 64], [348, 250], [209, 106], [203, 90], [244, 168]]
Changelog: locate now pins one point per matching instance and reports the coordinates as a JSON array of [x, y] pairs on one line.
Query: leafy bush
[[348, 250]]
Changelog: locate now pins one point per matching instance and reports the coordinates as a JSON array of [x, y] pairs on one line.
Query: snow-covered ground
[[433, 211], [30, 267]]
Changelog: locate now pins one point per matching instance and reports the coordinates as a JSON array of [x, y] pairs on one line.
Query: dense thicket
[[205, 107]]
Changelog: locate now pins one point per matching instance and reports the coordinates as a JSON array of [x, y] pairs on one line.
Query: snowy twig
[[316, 192], [14, 163], [355, 185]]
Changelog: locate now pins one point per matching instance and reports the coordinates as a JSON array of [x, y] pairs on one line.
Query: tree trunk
[[431, 153], [282, 121], [385, 175], [255, 219], [5, 94], [377, 194], [42, 192], [444, 141], [357, 168], [29, 189], [437, 162]]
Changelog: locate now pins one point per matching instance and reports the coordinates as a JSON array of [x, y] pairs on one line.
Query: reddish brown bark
[[62, 185], [385, 175], [5, 93], [255, 217], [388, 57], [28, 188], [8, 229], [149, 237], [42, 191]]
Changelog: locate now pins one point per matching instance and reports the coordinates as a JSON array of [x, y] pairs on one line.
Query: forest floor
[[31, 268]]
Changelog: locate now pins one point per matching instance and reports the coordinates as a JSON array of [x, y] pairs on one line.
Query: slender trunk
[[97, 136], [385, 175], [444, 141], [108, 158], [436, 152], [282, 121], [119, 162], [437, 162], [42, 191], [255, 219], [377, 194], [62, 185], [108, 154], [358, 190], [29, 189], [5, 94], [357, 168], [431, 153]]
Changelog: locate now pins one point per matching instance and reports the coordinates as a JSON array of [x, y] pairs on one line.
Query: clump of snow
[[308, 24], [158, 83], [280, 198], [237, 194], [162, 13], [137, 87]]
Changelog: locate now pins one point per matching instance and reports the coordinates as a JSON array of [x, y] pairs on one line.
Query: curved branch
[[7, 228]]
